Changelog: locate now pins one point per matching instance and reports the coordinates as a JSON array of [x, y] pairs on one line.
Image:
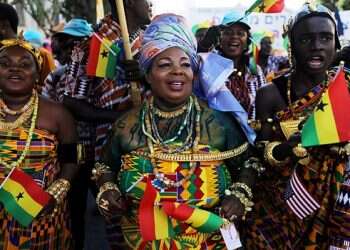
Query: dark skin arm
[[84, 111], [268, 101], [231, 205], [55, 118], [113, 150]]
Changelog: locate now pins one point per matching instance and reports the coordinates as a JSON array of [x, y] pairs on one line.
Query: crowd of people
[[193, 138]]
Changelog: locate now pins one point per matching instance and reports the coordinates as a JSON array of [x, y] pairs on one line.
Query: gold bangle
[[99, 170], [59, 189], [243, 186], [107, 186], [247, 203], [268, 155]]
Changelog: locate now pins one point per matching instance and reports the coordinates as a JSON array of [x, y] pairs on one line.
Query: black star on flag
[[321, 106], [262, 7], [20, 196], [104, 53]]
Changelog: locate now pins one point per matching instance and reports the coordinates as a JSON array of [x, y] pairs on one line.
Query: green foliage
[[47, 13], [341, 4]]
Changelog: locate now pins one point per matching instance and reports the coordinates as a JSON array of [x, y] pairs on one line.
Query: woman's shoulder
[[52, 108], [218, 117], [54, 117], [127, 119]]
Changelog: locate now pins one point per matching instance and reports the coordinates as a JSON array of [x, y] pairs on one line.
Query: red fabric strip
[[146, 213], [181, 213]]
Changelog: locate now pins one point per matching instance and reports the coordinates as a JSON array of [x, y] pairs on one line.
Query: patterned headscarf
[[167, 31], [7, 43]]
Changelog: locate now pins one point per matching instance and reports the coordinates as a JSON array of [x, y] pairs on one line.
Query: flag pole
[[7, 177], [99, 10], [135, 91]]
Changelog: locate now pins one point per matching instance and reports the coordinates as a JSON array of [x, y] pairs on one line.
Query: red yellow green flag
[[254, 59], [103, 56], [154, 223], [266, 6], [22, 197], [204, 221], [330, 121]]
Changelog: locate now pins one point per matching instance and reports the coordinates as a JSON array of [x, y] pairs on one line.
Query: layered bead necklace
[[289, 94], [191, 112], [30, 110]]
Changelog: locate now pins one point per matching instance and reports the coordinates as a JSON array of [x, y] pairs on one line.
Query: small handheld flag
[[266, 6], [330, 121], [22, 197], [103, 58]]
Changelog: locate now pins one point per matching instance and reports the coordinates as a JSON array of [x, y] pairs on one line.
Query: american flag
[[298, 199]]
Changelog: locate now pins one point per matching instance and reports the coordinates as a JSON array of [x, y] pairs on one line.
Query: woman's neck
[[238, 63], [167, 106], [16, 102]]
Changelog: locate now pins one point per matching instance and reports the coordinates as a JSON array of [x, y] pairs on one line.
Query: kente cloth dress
[[47, 231], [280, 220], [204, 189]]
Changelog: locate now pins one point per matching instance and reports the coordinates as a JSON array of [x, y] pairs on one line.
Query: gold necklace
[[29, 138], [5, 109], [21, 119], [161, 180], [289, 95], [167, 114]]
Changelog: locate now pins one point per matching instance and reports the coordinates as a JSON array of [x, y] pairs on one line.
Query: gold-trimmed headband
[[7, 43]]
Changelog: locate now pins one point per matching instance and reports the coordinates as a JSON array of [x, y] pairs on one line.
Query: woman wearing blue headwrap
[[179, 164]]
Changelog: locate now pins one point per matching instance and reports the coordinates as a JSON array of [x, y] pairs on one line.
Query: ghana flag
[[254, 58], [330, 121], [204, 221], [266, 6], [103, 58], [22, 197], [154, 223]]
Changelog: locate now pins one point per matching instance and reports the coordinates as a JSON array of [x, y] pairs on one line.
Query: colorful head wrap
[[7, 43], [309, 10], [167, 31]]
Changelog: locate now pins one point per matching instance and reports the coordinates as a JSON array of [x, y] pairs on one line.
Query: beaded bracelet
[[268, 155], [59, 189], [243, 186], [255, 164], [248, 204], [99, 170]]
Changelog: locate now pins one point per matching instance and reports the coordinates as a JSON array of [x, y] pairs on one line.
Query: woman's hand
[[111, 203], [232, 208]]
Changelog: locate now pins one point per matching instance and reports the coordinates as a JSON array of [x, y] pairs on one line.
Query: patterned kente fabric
[[244, 88], [204, 189], [274, 225], [113, 94], [47, 232]]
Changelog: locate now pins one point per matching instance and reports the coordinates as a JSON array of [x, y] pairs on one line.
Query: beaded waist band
[[217, 156]]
